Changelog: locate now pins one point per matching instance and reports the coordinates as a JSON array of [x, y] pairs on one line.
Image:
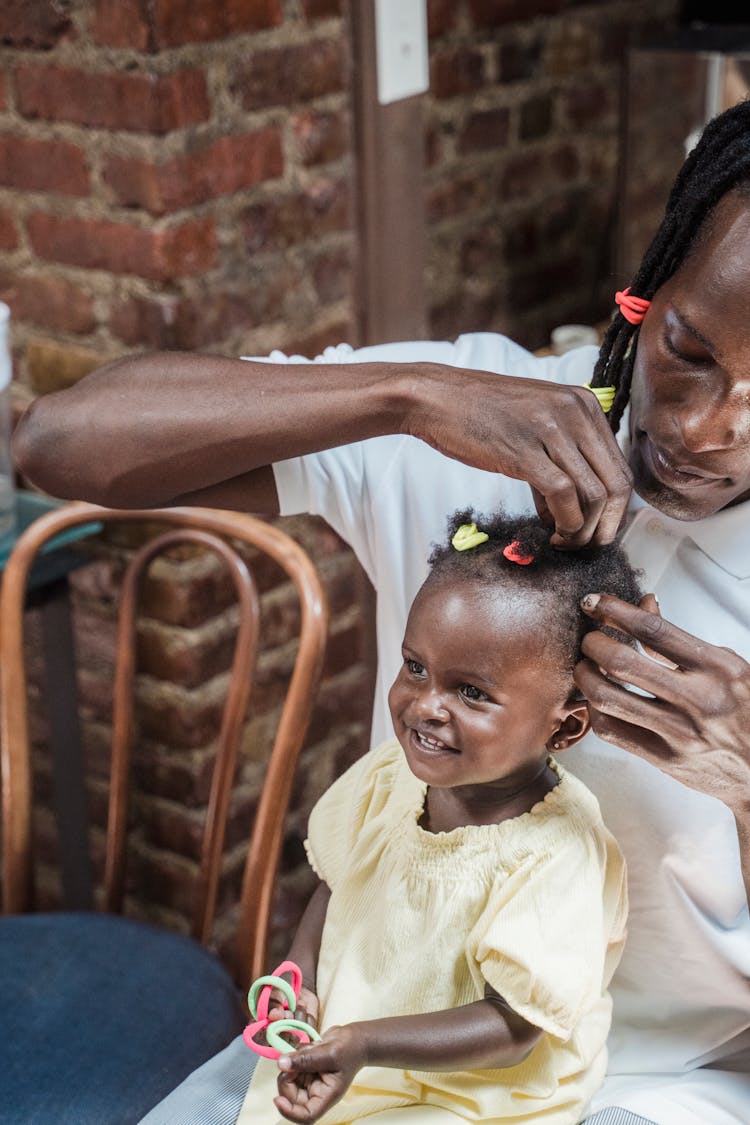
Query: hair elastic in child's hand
[[258, 1000]]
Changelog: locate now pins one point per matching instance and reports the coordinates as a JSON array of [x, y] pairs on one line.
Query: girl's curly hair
[[560, 577]]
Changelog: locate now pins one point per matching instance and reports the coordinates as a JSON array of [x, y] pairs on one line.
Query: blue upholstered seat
[[101, 1016]]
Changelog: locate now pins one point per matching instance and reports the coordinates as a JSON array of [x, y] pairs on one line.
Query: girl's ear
[[573, 727]]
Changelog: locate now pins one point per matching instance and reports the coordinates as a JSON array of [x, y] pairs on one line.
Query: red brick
[[50, 302], [214, 317], [122, 23], [228, 165], [321, 9], [52, 365], [41, 23], [587, 105], [210, 318], [458, 71], [536, 118], [179, 251], [8, 231], [333, 276], [495, 13], [185, 658], [140, 321], [170, 23], [464, 312], [320, 137], [485, 129], [322, 207], [457, 196], [149, 103], [441, 16], [522, 176], [33, 165], [291, 74], [518, 61]]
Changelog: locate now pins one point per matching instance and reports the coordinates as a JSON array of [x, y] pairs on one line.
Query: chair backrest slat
[[209, 528]]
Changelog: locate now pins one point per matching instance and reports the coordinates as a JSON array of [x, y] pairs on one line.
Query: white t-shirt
[[680, 1042]]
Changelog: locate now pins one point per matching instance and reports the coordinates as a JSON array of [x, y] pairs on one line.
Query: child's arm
[[304, 951], [484, 1035]]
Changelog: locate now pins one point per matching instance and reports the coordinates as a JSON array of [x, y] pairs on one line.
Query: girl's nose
[[428, 705]]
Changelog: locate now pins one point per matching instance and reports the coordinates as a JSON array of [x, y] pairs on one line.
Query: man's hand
[[555, 437], [318, 1075], [695, 724]]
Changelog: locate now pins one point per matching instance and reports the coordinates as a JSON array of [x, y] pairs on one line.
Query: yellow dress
[[418, 922]]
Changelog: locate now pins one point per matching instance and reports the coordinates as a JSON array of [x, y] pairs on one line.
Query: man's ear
[[573, 727]]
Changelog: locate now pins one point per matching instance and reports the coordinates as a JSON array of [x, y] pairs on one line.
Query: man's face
[[690, 399]]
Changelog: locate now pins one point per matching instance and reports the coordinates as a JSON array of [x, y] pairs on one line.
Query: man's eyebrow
[[694, 332]]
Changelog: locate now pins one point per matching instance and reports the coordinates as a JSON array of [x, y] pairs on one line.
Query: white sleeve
[[334, 482]]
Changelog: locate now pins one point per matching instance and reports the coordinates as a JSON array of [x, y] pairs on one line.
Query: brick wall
[[173, 175], [181, 174], [523, 143]]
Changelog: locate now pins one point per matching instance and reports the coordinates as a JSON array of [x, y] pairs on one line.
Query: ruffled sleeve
[[354, 805], [552, 932]]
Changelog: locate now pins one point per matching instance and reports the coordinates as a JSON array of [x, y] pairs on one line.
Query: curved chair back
[[214, 530]]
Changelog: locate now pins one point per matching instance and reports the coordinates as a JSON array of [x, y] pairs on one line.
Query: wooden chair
[[69, 981]]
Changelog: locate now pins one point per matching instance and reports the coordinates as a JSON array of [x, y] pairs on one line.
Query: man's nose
[[718, 424]]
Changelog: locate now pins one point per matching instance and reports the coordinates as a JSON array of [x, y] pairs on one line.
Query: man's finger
[[611, 699], [643, 744], [629, 666], [653, 632]]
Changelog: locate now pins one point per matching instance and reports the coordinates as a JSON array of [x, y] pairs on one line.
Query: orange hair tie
[[632, 308], [513, 553]]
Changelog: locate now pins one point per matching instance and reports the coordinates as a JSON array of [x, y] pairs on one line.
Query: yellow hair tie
[[467, 537], [605, 396]]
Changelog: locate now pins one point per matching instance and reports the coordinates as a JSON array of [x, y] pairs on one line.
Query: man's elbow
[[48, 455]]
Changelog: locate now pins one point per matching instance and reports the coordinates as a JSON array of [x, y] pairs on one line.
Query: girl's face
[[480, 695]]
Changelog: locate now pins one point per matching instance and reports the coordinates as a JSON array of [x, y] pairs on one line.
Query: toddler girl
[[457, 951]]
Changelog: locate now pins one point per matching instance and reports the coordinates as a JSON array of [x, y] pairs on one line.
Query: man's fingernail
[[590, 602]]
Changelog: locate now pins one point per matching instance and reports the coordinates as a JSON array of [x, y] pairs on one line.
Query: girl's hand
[[307, 1007], [317, 1075]]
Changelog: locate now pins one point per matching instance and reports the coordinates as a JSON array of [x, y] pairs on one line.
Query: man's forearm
[[146, 429]]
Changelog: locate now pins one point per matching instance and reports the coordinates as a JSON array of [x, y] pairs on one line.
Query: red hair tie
[[513, 553], [632, 308]]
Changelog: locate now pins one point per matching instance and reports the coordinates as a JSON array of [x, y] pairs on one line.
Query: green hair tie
[[605, 396], [467, 537]]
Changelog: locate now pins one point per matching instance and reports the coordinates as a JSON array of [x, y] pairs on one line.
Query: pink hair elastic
[[513, 554], [632, 308]]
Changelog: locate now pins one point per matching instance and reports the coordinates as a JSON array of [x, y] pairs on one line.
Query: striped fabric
[[615, 1116], [213, 1095]]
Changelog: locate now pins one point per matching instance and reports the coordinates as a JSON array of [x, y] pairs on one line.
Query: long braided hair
[[719, 162]]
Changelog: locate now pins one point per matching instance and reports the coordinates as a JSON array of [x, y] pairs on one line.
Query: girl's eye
[[413, 666], [475, 694]]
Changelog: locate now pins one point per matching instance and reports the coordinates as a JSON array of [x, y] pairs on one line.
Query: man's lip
[[671, 472]]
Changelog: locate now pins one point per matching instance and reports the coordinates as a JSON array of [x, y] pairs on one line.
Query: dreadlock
[[719, 162]]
